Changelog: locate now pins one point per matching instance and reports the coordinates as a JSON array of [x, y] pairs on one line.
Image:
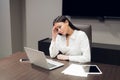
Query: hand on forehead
[[56, 25]]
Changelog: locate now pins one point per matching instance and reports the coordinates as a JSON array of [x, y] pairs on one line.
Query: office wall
[[11, 26], [16, 12], [5, 29], [39, 18]]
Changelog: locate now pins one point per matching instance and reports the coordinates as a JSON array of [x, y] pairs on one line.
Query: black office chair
[[43, 45]]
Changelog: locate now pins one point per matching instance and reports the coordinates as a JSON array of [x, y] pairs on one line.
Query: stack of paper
[[75, 70]]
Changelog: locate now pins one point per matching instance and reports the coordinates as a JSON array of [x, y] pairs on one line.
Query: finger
[[54, 27], [59, 56]]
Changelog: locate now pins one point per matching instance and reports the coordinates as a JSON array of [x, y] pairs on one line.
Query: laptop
[[38, 58]]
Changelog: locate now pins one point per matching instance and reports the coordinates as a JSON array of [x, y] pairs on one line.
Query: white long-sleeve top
[[78, 49]]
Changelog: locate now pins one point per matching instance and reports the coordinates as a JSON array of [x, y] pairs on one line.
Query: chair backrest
[[88, 30]]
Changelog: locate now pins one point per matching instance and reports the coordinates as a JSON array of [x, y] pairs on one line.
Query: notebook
[[38, 58]]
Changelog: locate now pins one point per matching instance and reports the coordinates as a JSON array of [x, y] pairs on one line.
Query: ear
[[66, 22]]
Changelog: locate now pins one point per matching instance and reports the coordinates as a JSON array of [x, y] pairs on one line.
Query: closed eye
[[59, 27]]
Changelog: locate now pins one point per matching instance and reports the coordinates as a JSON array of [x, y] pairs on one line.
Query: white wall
[[5, 30], [39, 18]]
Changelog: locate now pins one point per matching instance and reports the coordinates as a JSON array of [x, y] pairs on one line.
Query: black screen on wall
[[90, 8]]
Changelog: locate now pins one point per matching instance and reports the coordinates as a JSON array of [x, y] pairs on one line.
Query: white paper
[[75, 70]]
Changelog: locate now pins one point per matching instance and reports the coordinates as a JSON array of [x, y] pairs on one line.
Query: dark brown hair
[[63, 19]]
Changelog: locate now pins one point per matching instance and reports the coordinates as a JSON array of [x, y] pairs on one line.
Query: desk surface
[[12, 69]]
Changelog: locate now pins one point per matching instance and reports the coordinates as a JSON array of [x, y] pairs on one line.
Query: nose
[[59, 31]]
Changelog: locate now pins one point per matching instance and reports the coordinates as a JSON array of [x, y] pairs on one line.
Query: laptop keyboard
[[51, 65]]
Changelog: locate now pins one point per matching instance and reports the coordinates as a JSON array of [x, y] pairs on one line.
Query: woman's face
[[62, 27]]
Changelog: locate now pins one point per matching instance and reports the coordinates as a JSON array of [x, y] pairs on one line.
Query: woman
[[72, 43]]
